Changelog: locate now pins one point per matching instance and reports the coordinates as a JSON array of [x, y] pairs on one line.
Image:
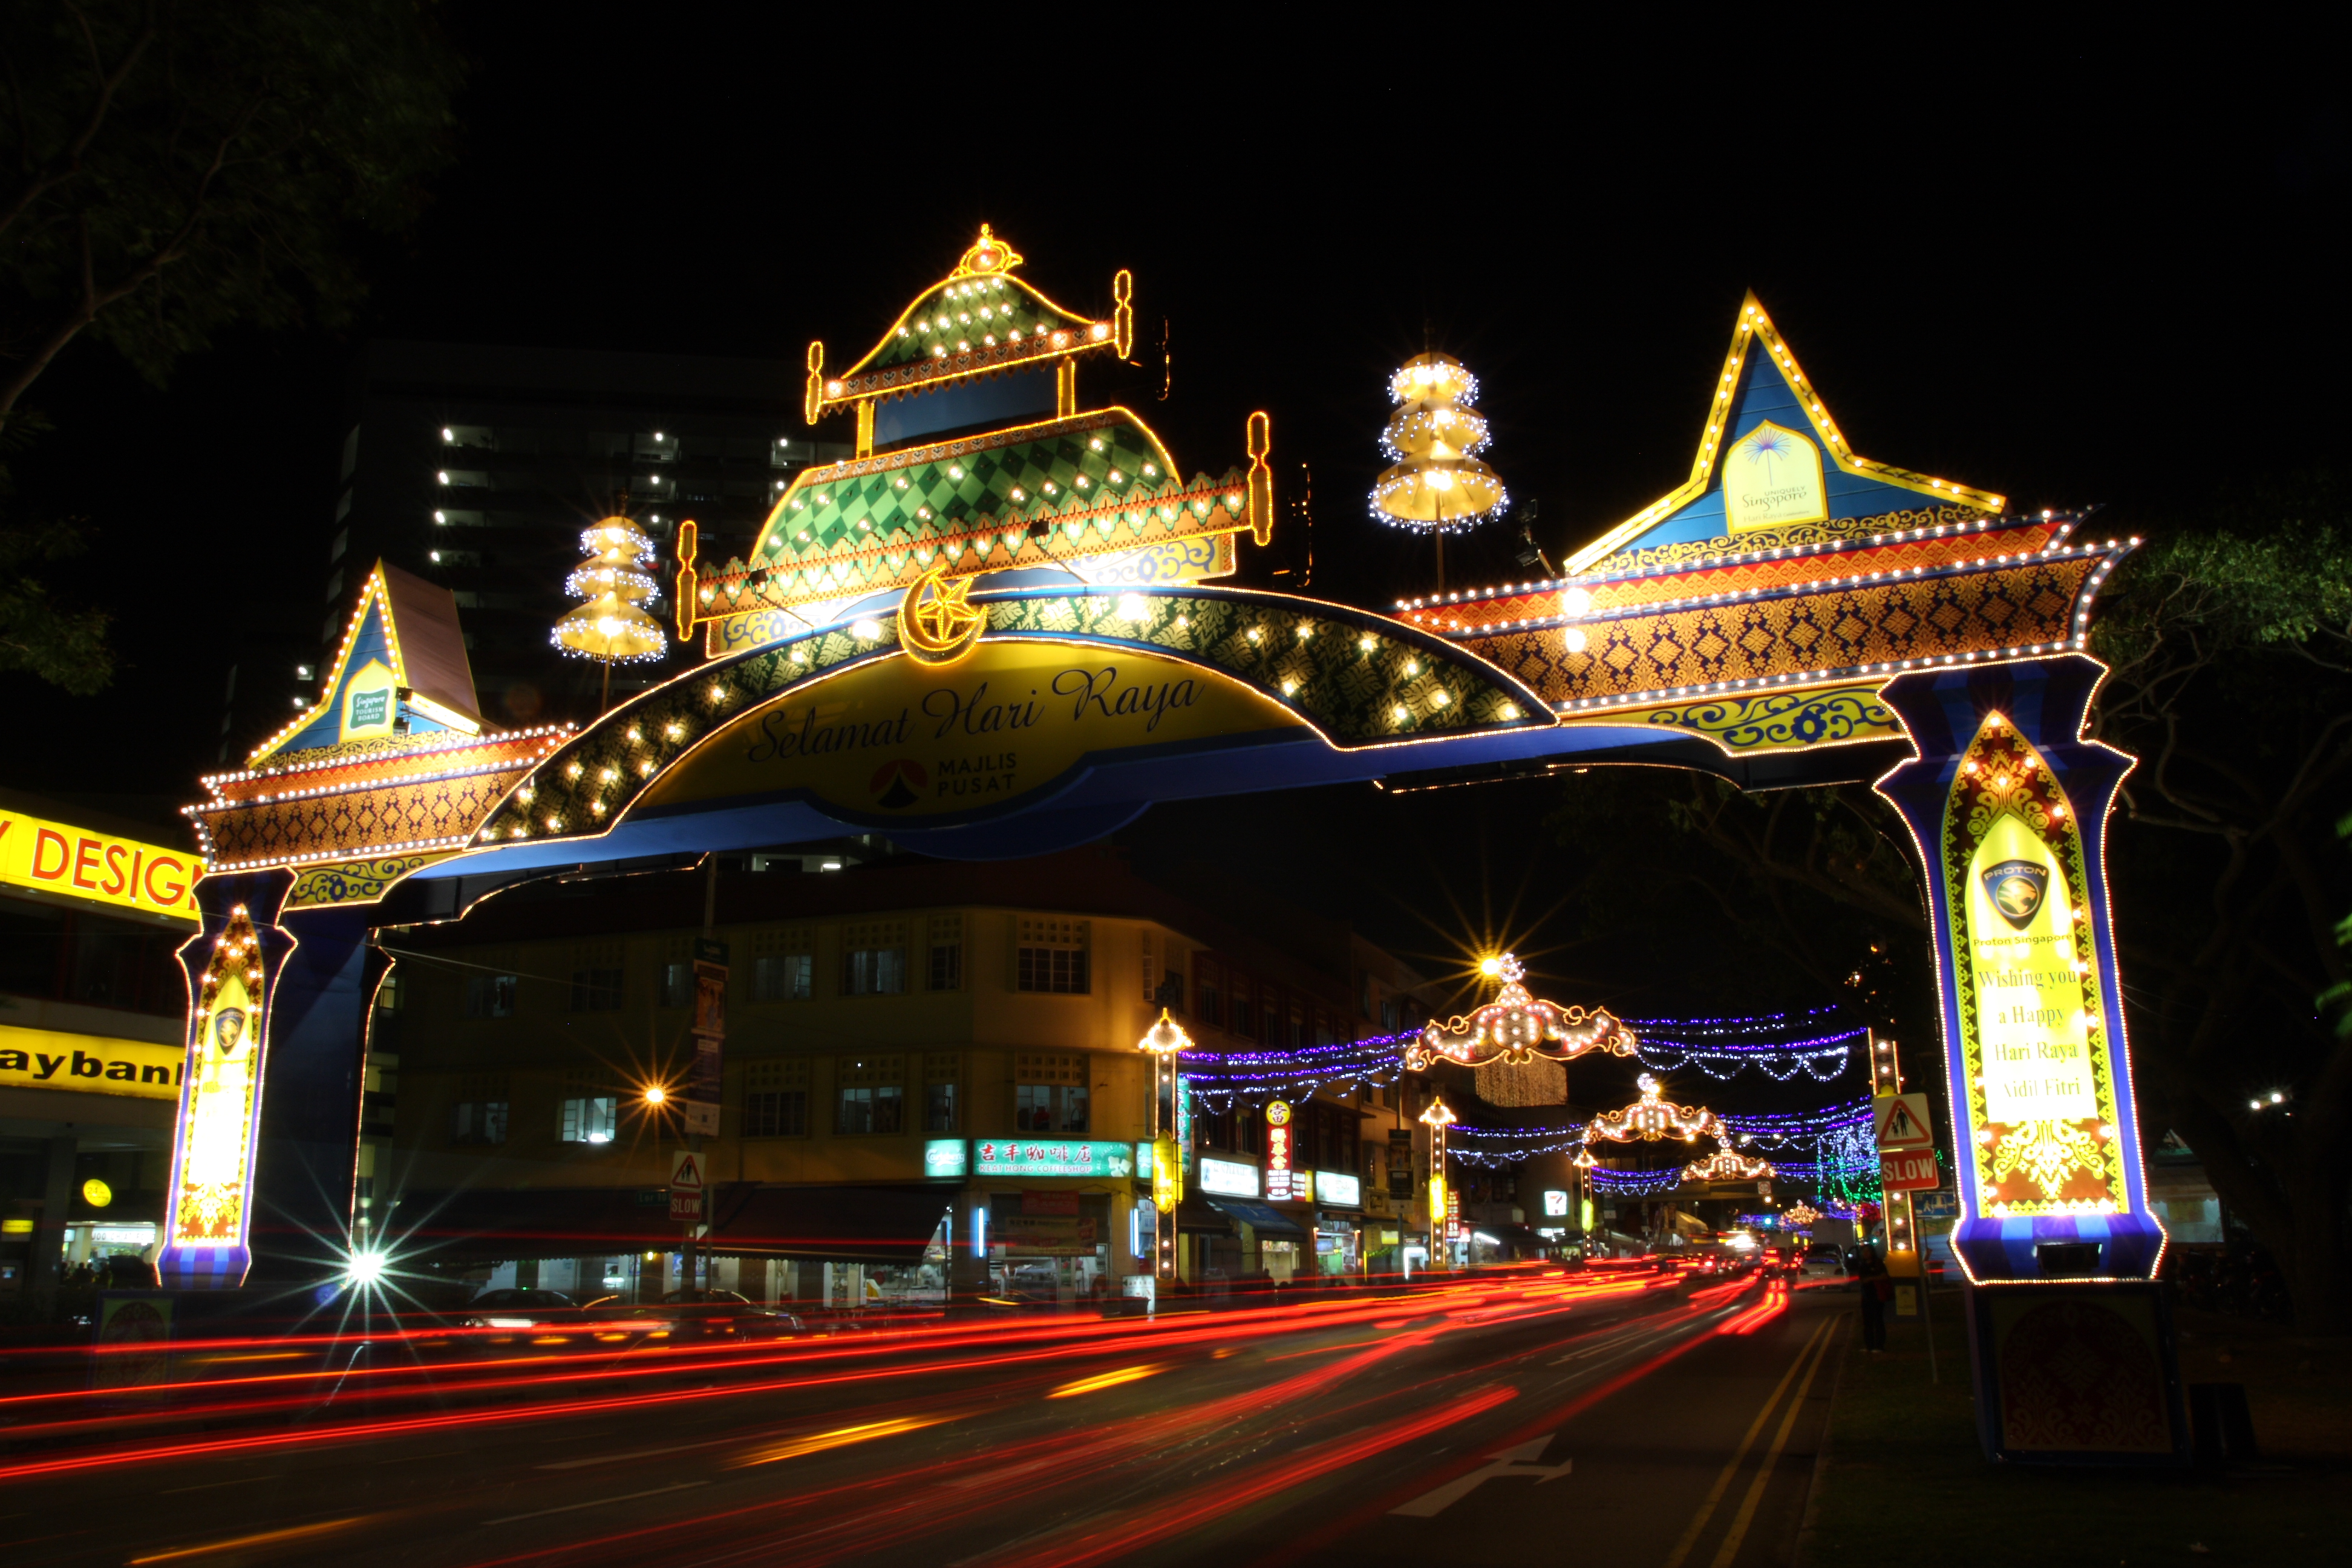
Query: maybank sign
[[88, 1064], [78, 863]]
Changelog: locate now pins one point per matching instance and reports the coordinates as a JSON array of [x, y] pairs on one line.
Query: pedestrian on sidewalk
[[1876, 1289]]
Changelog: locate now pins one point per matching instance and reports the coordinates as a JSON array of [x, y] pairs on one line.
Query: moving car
[[1822, 1262]]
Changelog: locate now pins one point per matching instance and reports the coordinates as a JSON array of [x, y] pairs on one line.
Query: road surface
[[1655, 1421]]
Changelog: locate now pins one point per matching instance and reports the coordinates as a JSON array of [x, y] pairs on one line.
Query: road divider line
[[595, 1502], [639, 1453], [1747, 1514], [267, 1538], [207, 1486], [1740, 1456]]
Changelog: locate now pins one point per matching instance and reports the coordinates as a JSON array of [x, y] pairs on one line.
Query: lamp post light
[[1437, 1118], [1164, 1043]]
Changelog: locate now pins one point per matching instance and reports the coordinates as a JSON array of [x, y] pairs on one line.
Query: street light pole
[[1164, 1043], [1437, 1118]]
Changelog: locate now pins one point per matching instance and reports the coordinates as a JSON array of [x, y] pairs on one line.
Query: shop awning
[[1194, 1215], [881, 1224], [878, 1225], [1259, 1215]]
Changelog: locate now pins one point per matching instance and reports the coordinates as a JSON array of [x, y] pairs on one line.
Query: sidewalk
[[1905, 1482]]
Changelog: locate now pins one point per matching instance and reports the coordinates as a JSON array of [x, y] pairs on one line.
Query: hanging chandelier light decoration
[[1654, 1119], [1437, 484], [1516, 1029]]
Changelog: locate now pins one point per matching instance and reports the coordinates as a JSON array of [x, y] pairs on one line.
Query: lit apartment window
[[590, 1119], [677, 986], [490, 995], [478, 1122], [782, 976]]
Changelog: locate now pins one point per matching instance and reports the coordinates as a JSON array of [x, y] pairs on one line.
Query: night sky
[[2082, 280]]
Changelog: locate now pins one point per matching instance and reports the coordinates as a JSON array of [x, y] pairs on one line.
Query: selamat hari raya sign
[[899, 738]]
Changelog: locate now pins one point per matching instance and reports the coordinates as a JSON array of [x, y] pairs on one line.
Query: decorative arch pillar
[[264, 1157], [2008, 804]]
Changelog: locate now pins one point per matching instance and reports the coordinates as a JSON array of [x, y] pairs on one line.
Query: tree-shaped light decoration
[[1437, 484], [1515, 1028], [612, 626]]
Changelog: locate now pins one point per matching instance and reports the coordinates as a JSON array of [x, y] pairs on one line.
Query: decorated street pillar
[[2072, 1344], [2009, 806], [265, 1160]]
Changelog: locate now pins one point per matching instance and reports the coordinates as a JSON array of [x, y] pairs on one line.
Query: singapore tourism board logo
[[2016, 889]]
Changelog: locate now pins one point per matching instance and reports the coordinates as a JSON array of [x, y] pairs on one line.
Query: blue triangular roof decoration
[[1767, 415], [403, 642]]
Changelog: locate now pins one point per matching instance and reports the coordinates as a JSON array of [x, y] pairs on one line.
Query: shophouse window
[[477, 1122], [943, 957], [597, 990], [590, 1119], [1051, 956], [1032, 1108], [1250, 1132], [1212, 987], [943, 1075], [1363, 996], [678, 984], [490, 995], [782, 976], [1389, 1015], [1245, 1007], [776, 1113], [1050, 1091], [869, 1107], [869, 1094], [874, 959], [776, 1097]]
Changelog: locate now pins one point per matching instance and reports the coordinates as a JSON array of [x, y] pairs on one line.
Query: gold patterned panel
[[1839, 629], [362, 824], [1736, 575]]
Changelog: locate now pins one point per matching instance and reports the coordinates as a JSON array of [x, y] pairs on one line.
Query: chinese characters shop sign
[[2040, 1065], [1061, 1158]]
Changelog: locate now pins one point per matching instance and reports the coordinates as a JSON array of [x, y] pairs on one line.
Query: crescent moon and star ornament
[[937, 623]]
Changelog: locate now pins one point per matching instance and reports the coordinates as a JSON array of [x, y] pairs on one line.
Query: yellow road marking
[[1747, 1514], [1723, 1482]]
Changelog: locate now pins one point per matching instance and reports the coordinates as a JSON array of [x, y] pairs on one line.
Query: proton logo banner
[[2016, 889]]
